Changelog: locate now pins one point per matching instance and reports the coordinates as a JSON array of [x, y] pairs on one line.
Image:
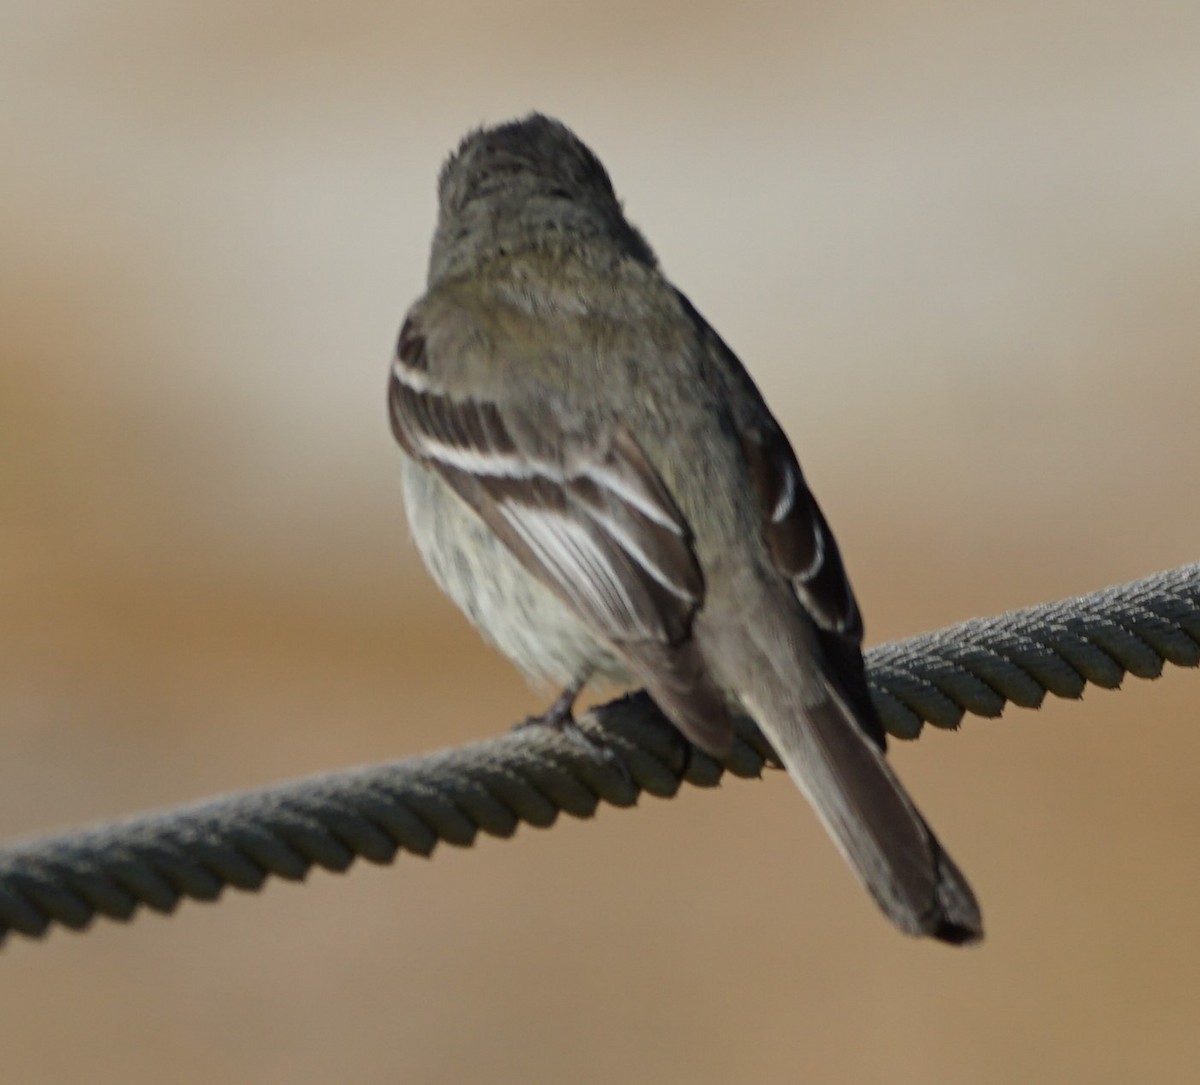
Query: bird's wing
[[588, 515], [805, 552], [798, 536], [833, 746]]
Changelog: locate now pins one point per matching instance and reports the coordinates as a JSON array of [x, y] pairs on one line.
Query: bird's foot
[[560, 716]]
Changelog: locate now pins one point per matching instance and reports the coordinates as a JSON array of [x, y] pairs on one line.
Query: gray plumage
[[595, 480]]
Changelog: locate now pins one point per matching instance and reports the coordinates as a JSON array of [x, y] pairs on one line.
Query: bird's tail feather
[[862, 804]]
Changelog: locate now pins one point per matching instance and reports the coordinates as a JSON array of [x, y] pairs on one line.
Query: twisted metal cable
[[531, 775]]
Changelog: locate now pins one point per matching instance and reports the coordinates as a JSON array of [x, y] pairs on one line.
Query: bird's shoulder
[[556, 320]]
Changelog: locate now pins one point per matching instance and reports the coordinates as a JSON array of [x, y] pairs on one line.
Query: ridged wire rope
[[530, 775]]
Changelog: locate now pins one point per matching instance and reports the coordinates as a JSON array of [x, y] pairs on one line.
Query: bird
[[593, 477]]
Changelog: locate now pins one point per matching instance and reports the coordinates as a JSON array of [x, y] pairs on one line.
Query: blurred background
[[958, 246]]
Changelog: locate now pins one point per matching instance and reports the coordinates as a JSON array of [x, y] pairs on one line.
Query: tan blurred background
[[958, 245]]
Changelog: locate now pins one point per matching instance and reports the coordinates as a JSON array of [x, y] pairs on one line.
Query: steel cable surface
[[531, 775]]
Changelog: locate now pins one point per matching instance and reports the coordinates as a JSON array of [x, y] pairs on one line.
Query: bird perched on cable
[[592, 476]]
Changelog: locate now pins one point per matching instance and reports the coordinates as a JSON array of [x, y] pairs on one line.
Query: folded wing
[[590, 517]]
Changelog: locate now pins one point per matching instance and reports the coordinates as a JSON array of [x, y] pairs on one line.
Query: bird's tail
[[827, 751]]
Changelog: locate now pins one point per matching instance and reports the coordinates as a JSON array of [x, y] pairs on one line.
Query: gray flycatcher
[[593, 477]]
